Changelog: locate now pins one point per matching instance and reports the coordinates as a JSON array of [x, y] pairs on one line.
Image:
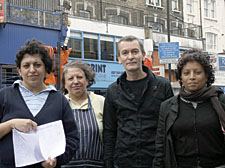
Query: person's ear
[[143, 54], [118, 57], [19, 71]]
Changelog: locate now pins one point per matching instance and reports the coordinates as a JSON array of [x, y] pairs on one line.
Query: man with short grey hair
[[131, 109]]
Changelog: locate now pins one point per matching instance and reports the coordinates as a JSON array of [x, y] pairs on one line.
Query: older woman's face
[[32, 70], [193, 76], [76, 82]]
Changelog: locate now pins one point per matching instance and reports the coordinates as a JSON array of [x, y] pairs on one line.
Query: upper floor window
[[154, 2], [85, 14], [211, 39], [157, 27], [176, 28], [213, 3], [206, 8], [175, 5], [210, 8], [118, 19], [191, 32], [189, 6]]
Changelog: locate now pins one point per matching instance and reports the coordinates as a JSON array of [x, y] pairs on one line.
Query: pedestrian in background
[[190, 130], [131, 109], [87, 107], [30, 103]]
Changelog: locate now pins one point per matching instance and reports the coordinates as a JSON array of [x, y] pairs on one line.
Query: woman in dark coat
[[191, 124], [29, 103]]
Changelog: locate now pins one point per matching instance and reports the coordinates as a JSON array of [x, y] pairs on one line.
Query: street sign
[[168, 52], [221, 63]]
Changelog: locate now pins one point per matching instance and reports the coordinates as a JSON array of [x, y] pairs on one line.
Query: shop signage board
[[105, 72], [221, 63], [168, 52]]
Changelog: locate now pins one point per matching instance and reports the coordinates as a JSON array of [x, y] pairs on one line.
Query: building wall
[[214, 25]]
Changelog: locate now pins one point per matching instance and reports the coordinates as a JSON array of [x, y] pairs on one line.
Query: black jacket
[[129, 128], [165, 156]]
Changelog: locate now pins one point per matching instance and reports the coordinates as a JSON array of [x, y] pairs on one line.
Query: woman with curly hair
[[29, 103], [191, 124]]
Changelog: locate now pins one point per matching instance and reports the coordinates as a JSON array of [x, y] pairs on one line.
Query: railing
[[187, 30], [46, 5], [8, 75], [33, 17]]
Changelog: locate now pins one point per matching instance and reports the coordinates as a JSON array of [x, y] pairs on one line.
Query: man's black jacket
[[129, 128]]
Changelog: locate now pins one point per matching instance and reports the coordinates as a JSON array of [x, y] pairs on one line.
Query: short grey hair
[[129, 39]]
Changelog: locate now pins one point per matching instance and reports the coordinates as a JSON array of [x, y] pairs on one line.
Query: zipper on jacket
[[196, 138]]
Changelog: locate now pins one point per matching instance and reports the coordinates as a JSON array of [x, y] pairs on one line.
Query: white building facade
[[210, 14]]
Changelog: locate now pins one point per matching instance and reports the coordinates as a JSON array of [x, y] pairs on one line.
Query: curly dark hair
[[88, 71], [199, 56], [32, 48]]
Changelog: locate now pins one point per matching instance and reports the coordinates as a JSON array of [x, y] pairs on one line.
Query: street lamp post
[[168, 32], [58, 65]]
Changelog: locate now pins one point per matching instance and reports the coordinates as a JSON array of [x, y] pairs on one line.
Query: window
[[206, 8], [75, 44], [90, 48], [211, 41], [154, 2], [157, 2], [118, 19], [157, 27], [213, 9], [176, 28], [8, 75], [175, 5], [210, 8], [84, 14], [191, 32], [189, 6], [107, 50]]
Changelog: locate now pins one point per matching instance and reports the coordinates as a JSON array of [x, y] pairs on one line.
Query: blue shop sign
[[105, 72], [221, 63], [168, 52]]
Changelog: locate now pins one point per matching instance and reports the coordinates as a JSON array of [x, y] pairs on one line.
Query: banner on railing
[[1, 11]]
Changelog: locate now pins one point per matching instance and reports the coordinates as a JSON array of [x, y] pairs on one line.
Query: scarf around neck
[[204, 94]]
